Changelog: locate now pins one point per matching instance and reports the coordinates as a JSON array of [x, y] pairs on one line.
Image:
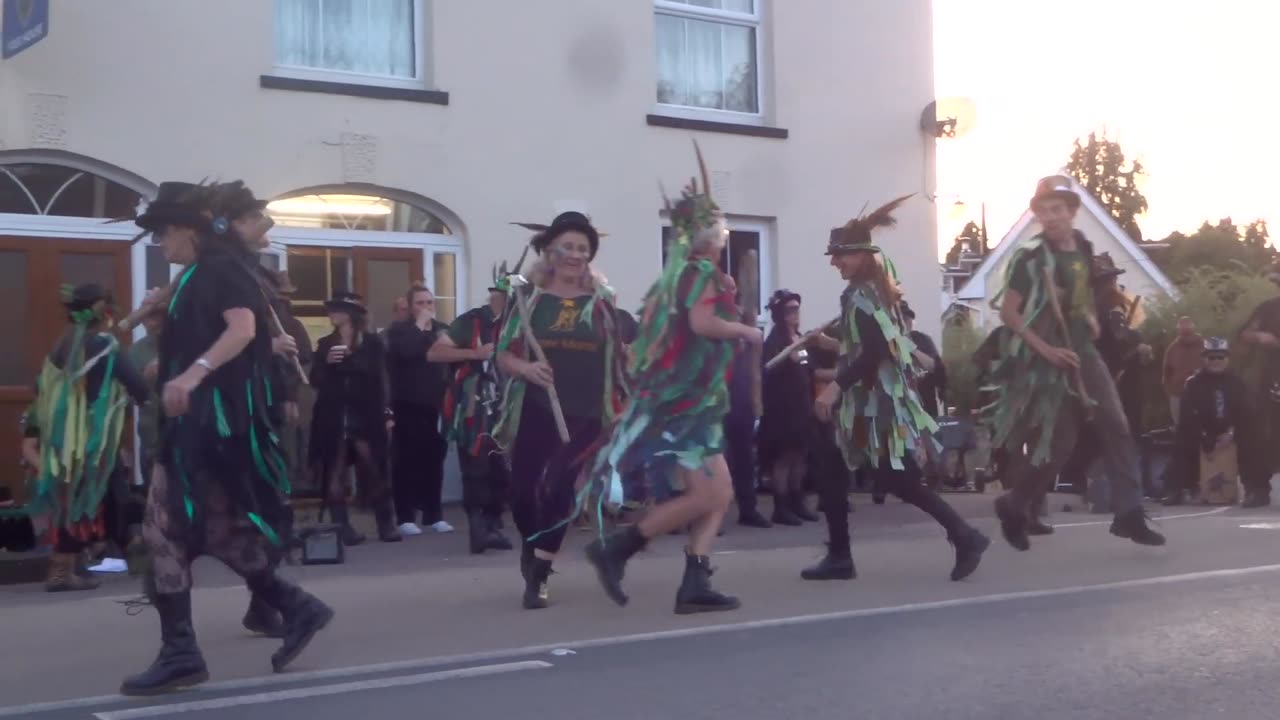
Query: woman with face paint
[[788, 423], [571, 315], [671, 434]]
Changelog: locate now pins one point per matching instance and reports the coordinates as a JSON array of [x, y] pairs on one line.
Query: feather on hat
[[855, 235]]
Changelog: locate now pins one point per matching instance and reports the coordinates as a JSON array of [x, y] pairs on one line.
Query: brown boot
[[63, 576]]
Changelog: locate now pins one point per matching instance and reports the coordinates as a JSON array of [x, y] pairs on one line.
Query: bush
[[959, 341]]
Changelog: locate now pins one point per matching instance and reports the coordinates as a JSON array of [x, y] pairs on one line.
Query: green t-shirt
[[576, 352], [1071, 274]]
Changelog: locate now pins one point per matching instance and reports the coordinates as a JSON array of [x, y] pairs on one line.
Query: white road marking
[[319, 691], [1262, 526]]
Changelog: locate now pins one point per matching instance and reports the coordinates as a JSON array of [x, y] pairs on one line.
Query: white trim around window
[[420, 54], [754, 21], [764, 231]]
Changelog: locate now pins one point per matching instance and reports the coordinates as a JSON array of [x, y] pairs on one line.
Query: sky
[[1190, 88]]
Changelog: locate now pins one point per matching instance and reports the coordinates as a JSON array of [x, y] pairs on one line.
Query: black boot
[[537, 591], [1175, 498], [836, 565], [1013, 523], [387, 530], [696, 594], [1035, 522], [342, 517], [783, 513], [262, 619], [1256, 499], [1132, 525], [969, 548], [609, 557], [801, 510], [179, 663], [497, 540], [752, 518], [304, 616], [478, 529]]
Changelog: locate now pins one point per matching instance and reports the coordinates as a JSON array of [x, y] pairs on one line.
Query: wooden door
[[382, 275], [32, 273]]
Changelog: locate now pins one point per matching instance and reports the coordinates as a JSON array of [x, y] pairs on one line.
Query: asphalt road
[[1084, 626]]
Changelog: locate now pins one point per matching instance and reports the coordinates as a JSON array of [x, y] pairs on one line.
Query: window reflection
[[355, 212]]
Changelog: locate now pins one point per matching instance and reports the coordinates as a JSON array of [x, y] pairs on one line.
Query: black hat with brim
[[176, 203], [84, 297], [843, 242], [346, 302], [571, 221]]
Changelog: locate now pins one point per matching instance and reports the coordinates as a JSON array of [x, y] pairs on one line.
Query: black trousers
[[906, 484], [485, 481], [739, 455], [418, 463]]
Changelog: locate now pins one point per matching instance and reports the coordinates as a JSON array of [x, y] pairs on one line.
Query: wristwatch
[[204, 364]]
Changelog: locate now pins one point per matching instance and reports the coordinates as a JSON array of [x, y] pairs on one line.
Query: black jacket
[[1212, 404]]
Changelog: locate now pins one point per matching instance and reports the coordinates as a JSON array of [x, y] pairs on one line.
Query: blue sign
[[26, 22]]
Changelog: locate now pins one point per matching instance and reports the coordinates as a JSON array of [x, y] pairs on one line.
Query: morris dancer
[[878, 416], [78, 420], [470, 410], [671, 433], [219, 481], [1050, 376], [571, 316]]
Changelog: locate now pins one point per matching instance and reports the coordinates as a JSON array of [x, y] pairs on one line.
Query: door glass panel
[[14, 323], [388, 281], [157, 268], [445, 268], [81, 268]]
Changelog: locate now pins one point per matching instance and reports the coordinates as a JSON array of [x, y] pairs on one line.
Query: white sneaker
[[110, 565], [409, 528], [442, 527]]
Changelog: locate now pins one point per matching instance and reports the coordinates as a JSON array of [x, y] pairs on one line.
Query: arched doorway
[[375, 241], [53, 208], [372, 240]]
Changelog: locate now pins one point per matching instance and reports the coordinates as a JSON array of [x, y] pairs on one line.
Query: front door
[[32, 273], [383, 275]]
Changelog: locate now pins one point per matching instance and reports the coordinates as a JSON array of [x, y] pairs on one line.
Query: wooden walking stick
[[1052, 289], [749, 292], [805, 339], [526, 329]]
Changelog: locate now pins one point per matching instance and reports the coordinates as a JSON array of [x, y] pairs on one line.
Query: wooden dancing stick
[[526, 329], [1052, 289], [804, 340], [749, 292]]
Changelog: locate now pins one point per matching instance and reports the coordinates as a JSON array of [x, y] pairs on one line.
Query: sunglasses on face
[[1212, 358]]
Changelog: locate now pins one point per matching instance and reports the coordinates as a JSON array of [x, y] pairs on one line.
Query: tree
[[969, 240], [1215, 247], [1099, 165]]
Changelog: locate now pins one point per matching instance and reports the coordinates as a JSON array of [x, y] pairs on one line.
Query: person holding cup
[[349, 424]]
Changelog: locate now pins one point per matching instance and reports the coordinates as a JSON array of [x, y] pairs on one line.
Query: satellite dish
[[949, 117]]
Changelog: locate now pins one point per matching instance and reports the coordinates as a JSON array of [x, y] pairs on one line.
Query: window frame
[[420, 64], [755, 21], [764, 255]]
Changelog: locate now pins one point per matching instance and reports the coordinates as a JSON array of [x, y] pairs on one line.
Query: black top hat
[[855, 235], [233, 200], [176, 203], [1056, 186], [569, 221], [346, 302]]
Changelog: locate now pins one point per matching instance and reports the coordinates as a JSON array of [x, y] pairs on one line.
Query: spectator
[[1181, 361]]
